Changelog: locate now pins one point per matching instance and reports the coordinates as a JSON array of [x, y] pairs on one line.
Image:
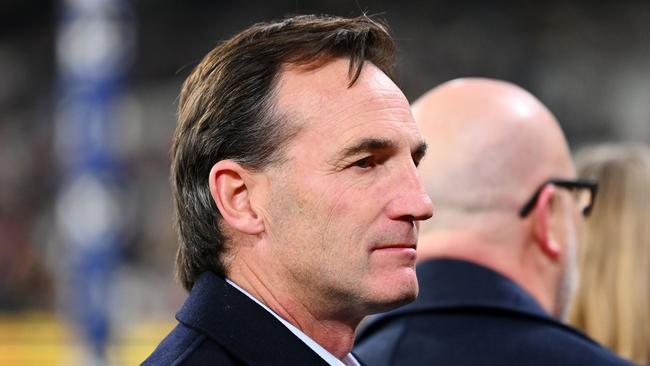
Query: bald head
[[491, 143]]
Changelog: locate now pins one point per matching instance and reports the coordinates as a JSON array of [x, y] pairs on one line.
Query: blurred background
[[88, 92]]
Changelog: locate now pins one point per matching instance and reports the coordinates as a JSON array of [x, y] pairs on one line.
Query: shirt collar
[[348, 360]]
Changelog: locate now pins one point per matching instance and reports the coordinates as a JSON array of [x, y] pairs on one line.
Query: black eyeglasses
[[584, 192]]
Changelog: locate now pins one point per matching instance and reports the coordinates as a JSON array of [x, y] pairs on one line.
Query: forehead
[[324, 105]]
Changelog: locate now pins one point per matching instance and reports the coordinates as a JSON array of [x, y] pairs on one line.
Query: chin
[[394, 294]]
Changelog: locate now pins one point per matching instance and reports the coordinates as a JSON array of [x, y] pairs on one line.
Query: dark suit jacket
[[467, 315], [219, 325]]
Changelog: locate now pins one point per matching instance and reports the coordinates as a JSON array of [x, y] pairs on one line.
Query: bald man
[[497, 263]]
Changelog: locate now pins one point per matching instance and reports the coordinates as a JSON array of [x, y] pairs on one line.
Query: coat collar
[[241, 326], [453, 284]]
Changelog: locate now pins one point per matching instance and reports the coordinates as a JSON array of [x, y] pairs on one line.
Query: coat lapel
[[240, 325]]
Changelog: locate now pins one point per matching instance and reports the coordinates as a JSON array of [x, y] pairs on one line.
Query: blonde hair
[[612, 304]]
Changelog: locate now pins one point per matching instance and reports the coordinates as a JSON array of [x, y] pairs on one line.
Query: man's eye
[[367, 162]]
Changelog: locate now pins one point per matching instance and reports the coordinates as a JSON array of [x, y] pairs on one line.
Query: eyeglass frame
[[590, 184]]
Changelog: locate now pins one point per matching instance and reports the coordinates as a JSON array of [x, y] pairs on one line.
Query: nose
[[411, 201]]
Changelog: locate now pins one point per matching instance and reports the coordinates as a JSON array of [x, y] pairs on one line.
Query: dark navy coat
[[469, 315], [219, 325]]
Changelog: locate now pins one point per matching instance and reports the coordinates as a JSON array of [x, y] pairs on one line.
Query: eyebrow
[[420, 150], [373, 144], [368, 144]]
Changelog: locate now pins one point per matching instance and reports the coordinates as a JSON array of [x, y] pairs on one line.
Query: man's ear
[[231, 186], [543, 223]]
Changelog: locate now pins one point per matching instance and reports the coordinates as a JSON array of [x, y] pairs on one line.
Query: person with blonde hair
[[613, 300]]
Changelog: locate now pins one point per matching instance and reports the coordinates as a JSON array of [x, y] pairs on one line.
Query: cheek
[[342, 207], [354, 207], [334, 197]]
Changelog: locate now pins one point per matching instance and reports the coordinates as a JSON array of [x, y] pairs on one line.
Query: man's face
[[341, 214]]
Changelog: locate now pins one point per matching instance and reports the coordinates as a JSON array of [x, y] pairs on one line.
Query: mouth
[[396, 247], [394, 256]]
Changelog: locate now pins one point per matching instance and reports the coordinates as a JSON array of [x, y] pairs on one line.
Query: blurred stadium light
[[95, 43]]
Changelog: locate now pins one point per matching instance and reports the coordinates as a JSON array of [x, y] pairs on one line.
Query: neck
[[542, 280], [331, 330]]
